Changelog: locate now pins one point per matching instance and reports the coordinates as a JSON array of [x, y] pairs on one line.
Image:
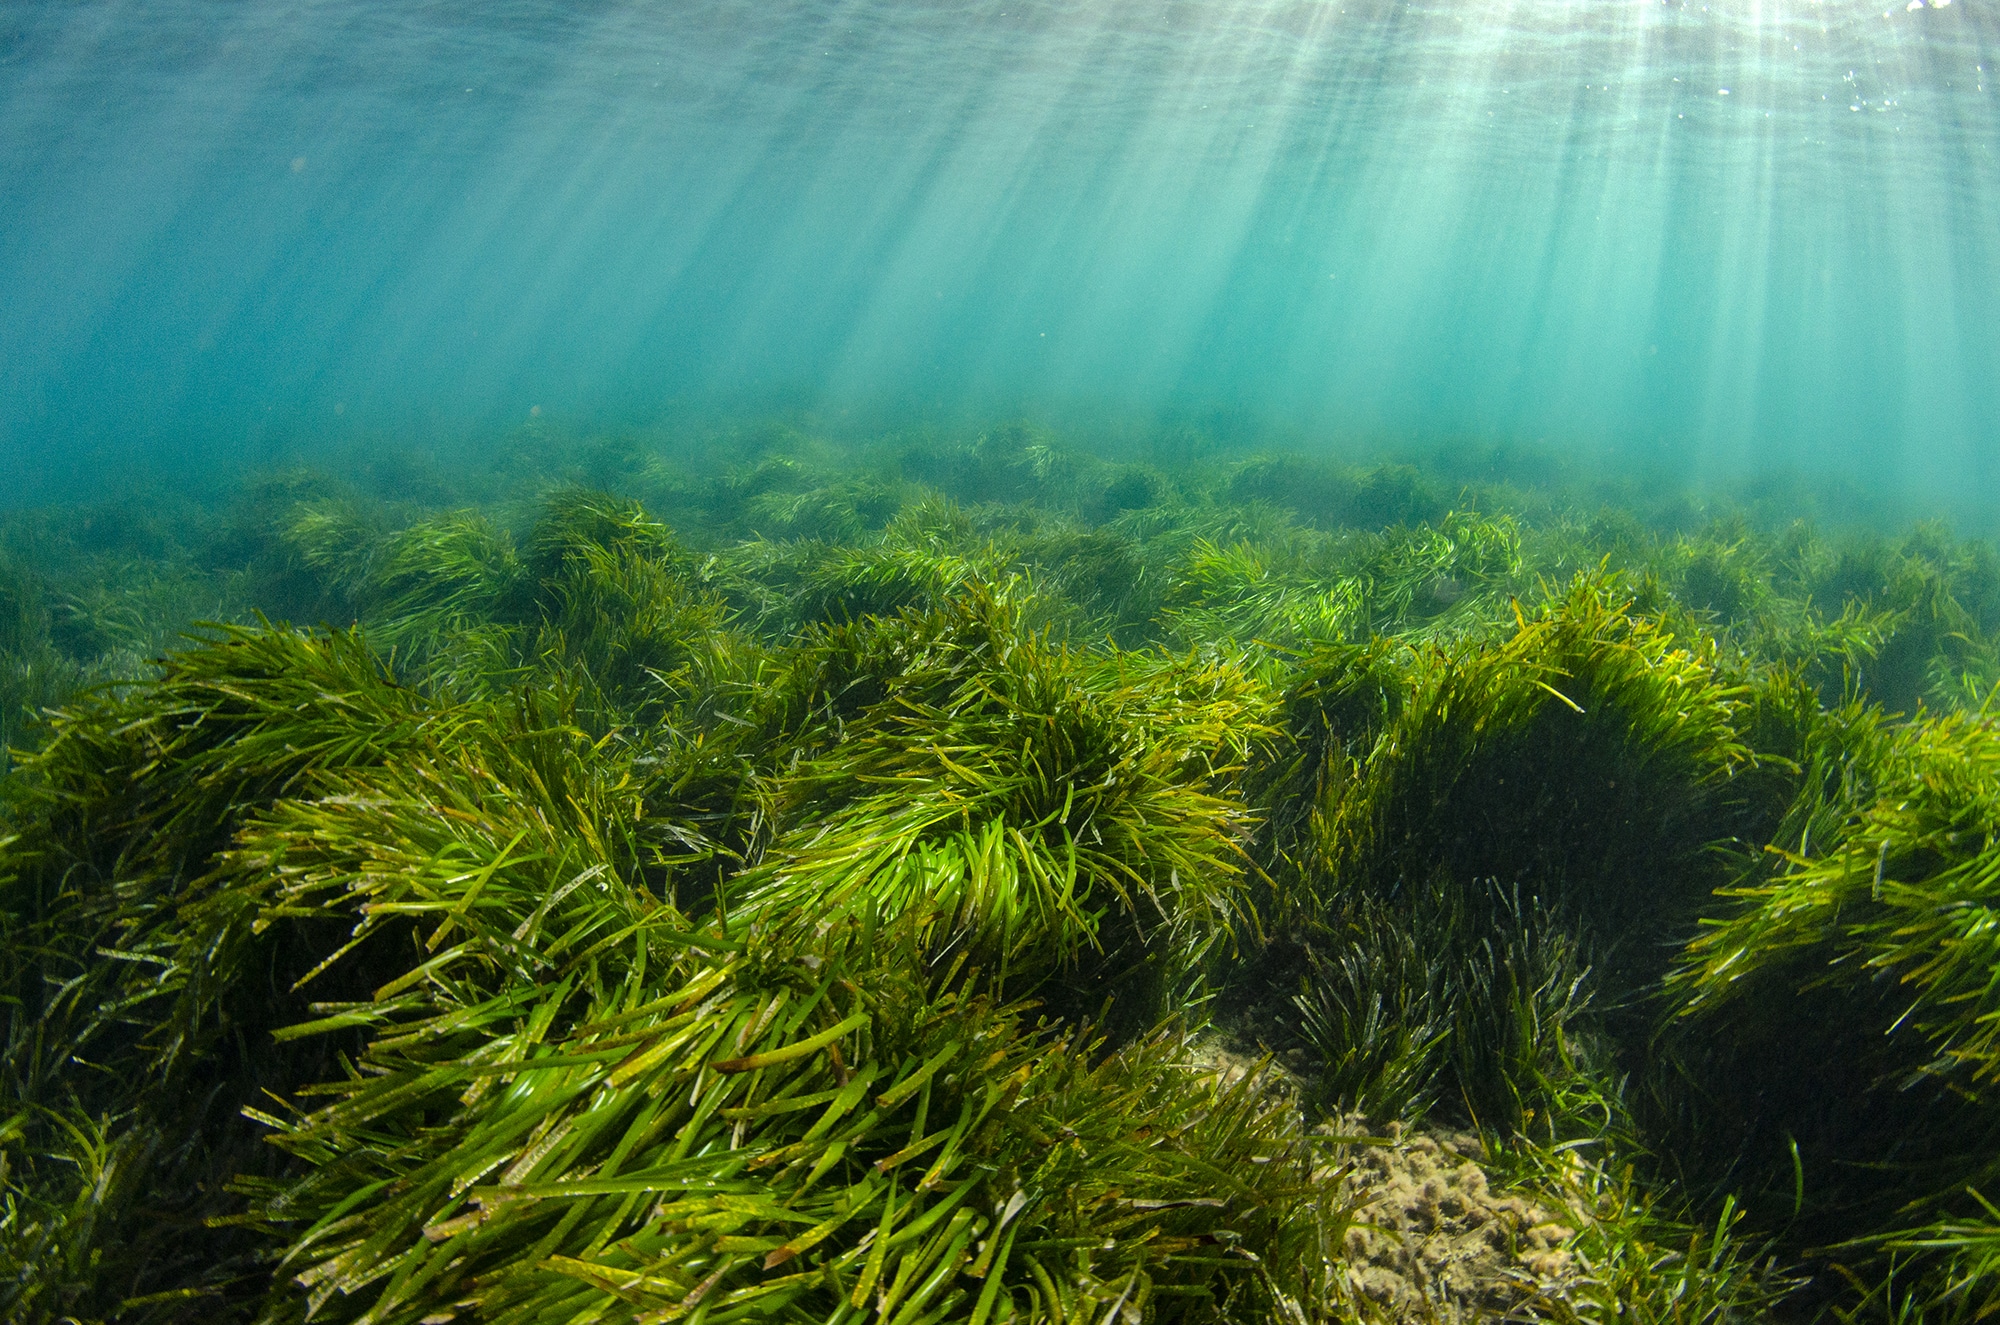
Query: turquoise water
[[1712, 239]]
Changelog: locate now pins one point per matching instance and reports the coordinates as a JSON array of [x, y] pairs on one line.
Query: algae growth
[[963, 879]]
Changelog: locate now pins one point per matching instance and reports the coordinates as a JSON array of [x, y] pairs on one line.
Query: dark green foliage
[[1838, 1019], [1332, 496], [1650, 1259], [1104, 575], [731, 1132], [1050, 803], [1587, 758], [620, 602], [1292, 596], [599, 589], [140, 997], [1375, 1009], [1722, 579], [1129, 488], [23, 612], [1303, 590], [605, 920], [839, 512], [1425, 570], [460, 887], [1929, 602], [1506, 840], [34, 672], [1466, 998], [1010, 463]]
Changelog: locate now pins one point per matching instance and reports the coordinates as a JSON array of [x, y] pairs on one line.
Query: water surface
[[1722, 237]]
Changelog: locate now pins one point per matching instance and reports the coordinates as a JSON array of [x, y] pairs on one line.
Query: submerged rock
[[1433, 1236]]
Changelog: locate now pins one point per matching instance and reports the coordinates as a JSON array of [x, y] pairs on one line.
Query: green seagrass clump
[[1047, 811], [807, 912], [1492, 848], [1840, 1018], [336, 996]]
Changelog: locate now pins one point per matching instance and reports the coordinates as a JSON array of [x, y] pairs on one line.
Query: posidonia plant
[[279, 865], [807, 912], [1842, 1011]]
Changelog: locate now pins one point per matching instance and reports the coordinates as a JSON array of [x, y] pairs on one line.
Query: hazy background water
[[1718, 237]]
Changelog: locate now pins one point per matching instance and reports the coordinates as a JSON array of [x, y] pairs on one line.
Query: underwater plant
[[829, 907], [1835, 1020], [972, 762], [276, 819], [1589, 756]]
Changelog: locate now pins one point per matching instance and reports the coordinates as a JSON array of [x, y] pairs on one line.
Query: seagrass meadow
[[810, 884]]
